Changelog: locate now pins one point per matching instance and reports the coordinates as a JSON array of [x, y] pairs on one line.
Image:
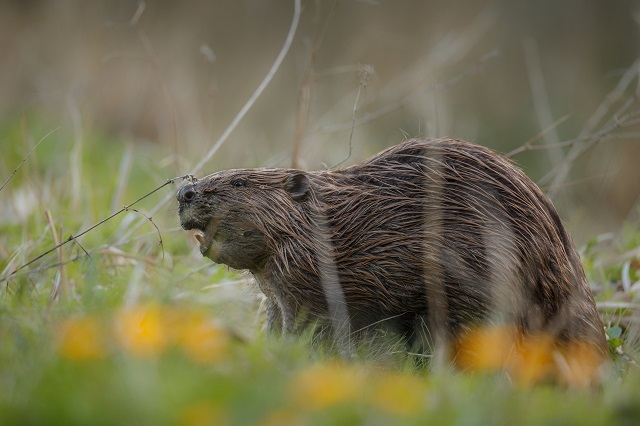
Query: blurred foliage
[[176, 365]]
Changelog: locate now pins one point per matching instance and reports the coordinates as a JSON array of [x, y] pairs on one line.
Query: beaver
[[430, 237]]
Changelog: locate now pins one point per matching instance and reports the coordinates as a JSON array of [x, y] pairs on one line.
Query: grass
[[152, 334]]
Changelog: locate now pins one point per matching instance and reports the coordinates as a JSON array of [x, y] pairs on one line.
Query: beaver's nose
[[186, 194]]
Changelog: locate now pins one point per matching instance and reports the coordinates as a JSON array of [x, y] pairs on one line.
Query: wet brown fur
[[427, 238]]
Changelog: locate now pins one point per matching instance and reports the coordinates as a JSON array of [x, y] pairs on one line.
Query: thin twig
[[528, 145], [353, 121], [612, 97], [73, 238], [100, 249], [365, 74], [150, 219], [560, 173], [82, 248], [27, 156]]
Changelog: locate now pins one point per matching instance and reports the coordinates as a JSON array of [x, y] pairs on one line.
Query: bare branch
[[150, 219], [559, 174], [528, 145], [73, 238], [582, 145], [365, 74]]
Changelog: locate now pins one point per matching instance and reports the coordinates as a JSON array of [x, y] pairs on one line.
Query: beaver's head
[[239, 215]]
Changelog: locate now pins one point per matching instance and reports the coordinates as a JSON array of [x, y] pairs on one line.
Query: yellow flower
[[81, 339], [533, 360], [324, 385], [529, 359], [202, 414], [486, 348], [201, 340], [141, 331], [399, 393], [580, 364]]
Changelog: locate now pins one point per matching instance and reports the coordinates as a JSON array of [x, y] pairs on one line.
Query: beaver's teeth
[[200, 238]]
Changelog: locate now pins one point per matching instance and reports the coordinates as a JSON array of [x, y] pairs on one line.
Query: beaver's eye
[[238, 183]]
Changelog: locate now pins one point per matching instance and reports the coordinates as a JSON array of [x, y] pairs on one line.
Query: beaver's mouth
[[205, 235], [204, 232]]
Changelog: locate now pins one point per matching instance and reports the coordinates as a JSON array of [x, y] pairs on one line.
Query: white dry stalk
[[135, 287], [540, 96], [76, 153], [234, 123], [505, 284], [434, 273], [123, 177], [330, 281], [138, 13]]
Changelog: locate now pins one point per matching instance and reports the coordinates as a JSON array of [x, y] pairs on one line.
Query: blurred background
[[169, 77]]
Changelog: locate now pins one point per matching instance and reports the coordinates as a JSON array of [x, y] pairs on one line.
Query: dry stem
[[62, 289]]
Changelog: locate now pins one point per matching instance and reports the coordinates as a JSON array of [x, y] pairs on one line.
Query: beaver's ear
[[297, 185]]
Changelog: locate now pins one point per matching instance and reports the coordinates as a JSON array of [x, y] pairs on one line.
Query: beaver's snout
[[190, 215], [186, 194]]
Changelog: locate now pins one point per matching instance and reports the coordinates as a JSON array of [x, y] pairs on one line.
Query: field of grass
[[129, 325]]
